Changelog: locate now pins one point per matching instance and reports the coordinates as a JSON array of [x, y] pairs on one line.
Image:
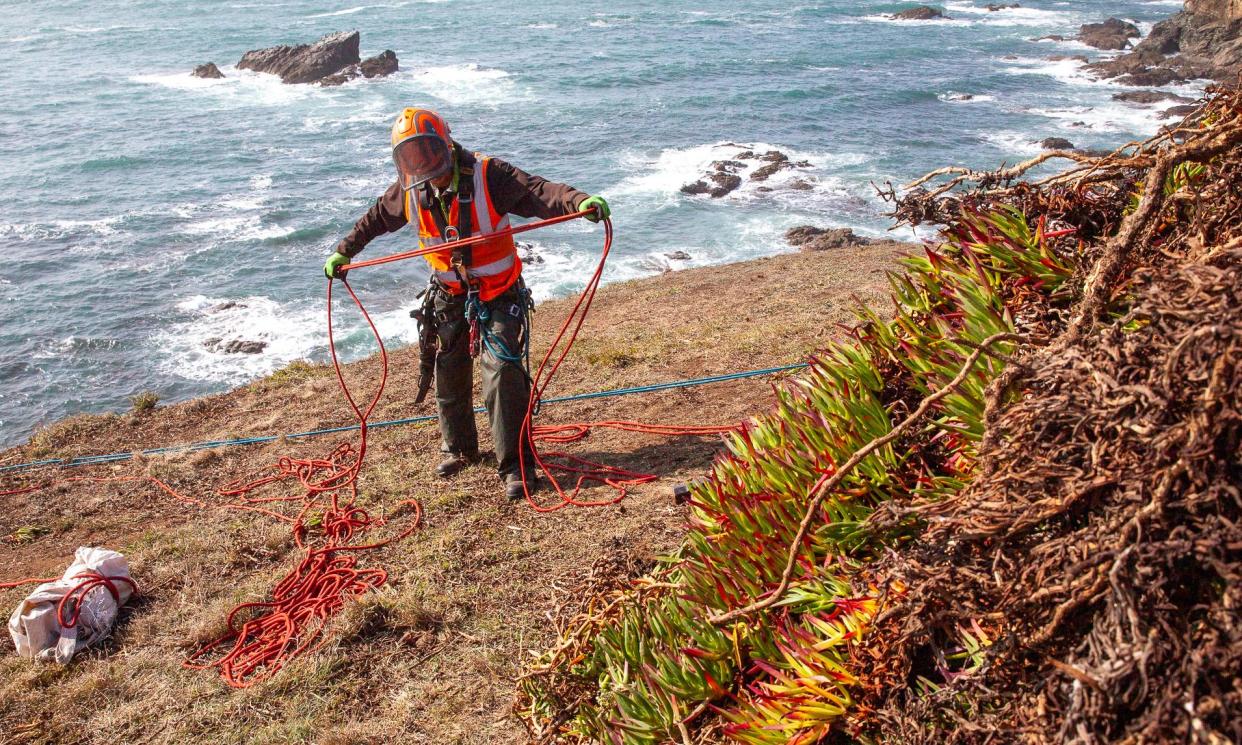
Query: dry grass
[[431, 657]]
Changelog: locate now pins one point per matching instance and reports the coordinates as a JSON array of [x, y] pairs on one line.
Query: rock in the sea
[[811, 238], [381, 65], [527, 253], [1154, 77], [801, 185], [234, 346], [1179, 112], [1111, 34], [764, 173], [239, 346], [724, 173], [208, 70], [1205, 39], [227, 305], [1056, 143], [918, 13], [1072, 57], [305, 63], [1148, 97], [384, 63], [1001, 6], [677, 256], [959, 97], [725, 183]]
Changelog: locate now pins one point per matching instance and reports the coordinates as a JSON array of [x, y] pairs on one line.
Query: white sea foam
[[548, 278], [884, 18], [604, 20], [1067, 71], [59, 229], [542, 26], [291, 331], [1098, 111], [1012, 143], [657, 181], [1112, 117], [968, 14], [92, 29], [1013, 16], [242, 86], [373, 113], [234, 229], [958, 97], [463, 84], [345, 12], [70, 346]]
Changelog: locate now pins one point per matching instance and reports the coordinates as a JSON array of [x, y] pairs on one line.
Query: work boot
[[454, 463], [514, 490]]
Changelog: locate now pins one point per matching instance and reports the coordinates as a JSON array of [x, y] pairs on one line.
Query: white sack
[[34, 627]]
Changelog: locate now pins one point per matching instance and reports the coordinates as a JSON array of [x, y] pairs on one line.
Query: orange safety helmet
[[421, 146]]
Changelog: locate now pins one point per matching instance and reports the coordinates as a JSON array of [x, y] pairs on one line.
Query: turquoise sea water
[[137, 202]]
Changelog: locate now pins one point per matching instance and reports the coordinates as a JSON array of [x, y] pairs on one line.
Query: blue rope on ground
[[91, 460]]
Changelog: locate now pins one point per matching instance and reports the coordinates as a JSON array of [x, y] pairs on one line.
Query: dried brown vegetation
[[1097, 550]]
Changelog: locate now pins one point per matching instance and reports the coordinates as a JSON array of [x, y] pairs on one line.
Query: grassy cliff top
[[432, 655]]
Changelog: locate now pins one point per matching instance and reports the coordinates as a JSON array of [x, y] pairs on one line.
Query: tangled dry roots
[[1099, 545]]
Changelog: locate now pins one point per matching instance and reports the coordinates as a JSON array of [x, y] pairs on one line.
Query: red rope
[[305, 600], [90, 581], [27, 581], [583, 472], [77, 594]]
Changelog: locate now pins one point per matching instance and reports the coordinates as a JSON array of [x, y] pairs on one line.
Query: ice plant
[[786, 674]]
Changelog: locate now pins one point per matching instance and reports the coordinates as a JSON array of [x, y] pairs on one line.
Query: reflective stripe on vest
[[500, 266]]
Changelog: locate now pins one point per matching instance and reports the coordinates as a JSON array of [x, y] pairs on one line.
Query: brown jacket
[[513, 191]]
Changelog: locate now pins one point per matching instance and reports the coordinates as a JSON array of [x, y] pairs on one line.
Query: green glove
[[599, 205], [335, 261]]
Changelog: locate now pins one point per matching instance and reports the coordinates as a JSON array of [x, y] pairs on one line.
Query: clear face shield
[[421, 158]]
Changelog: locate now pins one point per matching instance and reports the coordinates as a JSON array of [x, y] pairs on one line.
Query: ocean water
[[143, 211]]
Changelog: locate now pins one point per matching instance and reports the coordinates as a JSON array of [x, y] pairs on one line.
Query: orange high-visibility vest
[[494, 264]]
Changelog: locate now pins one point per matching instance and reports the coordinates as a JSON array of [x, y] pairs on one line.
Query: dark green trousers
[[506, 389]]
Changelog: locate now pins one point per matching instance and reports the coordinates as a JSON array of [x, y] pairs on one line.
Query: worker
[[447, 193]]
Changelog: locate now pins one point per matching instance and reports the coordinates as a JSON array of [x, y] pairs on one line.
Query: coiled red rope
[[90, 581], [294, 620], [326, 523]]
